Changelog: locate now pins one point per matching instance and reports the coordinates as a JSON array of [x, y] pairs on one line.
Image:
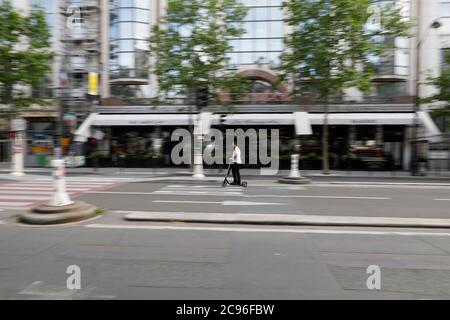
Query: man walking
[[235, 162]]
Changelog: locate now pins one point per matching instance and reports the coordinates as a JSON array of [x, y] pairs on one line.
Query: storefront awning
[[433, 134], [302, 123], [363, 118], [84, 131], [301, 120]]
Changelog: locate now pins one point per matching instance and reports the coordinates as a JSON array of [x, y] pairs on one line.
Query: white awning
[[204, 123], [302, 123], [301, 120], [433, 134], [84, 131], [363, 118], [143, 119], [249, 119]]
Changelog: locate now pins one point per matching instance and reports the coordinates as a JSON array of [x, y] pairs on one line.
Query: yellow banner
[[93, 83]]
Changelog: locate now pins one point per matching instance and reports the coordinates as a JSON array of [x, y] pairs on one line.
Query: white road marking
[[84, 183], [268, 230], [441, 199], [40, 188], [390, 183], [193, 193], [318, 197], [43, 192], [14, 204], [249, 203], [40, 289], [224, 203], [237, 194], [379, 186], [18, 197], [143, 173], [49, 185], [199, 202]]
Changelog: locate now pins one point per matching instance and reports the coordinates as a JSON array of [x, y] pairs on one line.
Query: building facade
[[383, 119]]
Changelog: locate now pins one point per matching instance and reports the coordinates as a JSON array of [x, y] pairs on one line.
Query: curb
[[284, 219], [48, 215]]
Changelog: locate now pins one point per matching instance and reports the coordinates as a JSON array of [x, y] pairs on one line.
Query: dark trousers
[[236, 173]]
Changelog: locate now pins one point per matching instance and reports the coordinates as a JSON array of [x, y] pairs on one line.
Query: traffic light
[[202, 96]]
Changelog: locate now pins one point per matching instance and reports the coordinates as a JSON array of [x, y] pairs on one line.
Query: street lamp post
[[435, 25]]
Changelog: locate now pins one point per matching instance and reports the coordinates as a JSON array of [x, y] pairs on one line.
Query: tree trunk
[[325, 153]]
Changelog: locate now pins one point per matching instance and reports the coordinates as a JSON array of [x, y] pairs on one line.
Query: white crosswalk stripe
[[26, 193]]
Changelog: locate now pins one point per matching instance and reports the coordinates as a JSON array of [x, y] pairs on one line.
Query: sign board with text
[[18, 125]]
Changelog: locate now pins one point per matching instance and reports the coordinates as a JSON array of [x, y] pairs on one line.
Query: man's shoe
[[234, 184]]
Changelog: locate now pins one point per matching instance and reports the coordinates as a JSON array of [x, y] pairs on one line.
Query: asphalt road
[[320, 198], [124, 260], [120, 259]]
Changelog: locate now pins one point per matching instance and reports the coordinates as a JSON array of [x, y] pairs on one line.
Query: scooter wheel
[[244, 184], [224, 184]]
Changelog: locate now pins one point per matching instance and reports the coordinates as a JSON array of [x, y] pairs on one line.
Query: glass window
[[126, 3], [246, 58], [275, 29], [260, 30], [247, 3], [276, 13], [261, 3], [261, 45], [247, 26], [259, 14], [274, 58], [276, 44], [141, 45], [126, 45], [445, 9], [142, 30], [233, 58], [141, 15], [246, 45], [126, 29], [126, 60], [235, 45], [126, 14], [144, 4]]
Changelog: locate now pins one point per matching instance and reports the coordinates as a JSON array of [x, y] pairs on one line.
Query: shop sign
[[364, 121], [18, 125]]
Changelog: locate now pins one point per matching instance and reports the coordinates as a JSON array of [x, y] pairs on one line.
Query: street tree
[[25, 57], [442, 84], [189, 48], [334, 45]]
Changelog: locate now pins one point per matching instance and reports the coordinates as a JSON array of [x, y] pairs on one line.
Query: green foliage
[[25, 57], [100, 211], [190, 29], [330, 46], [442, 83]]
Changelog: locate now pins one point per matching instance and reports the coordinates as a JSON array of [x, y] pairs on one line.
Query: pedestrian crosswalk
[[24, 194]]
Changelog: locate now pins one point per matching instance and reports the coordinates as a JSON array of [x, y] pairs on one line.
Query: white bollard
[[60, 196], [17, 155], [198, 157], [295, 173]]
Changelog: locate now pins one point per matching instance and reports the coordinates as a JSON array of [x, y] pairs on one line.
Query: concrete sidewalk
[[284, 219], [253, 173]]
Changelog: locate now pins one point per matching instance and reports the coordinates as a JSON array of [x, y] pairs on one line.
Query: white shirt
[[236, 158]]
